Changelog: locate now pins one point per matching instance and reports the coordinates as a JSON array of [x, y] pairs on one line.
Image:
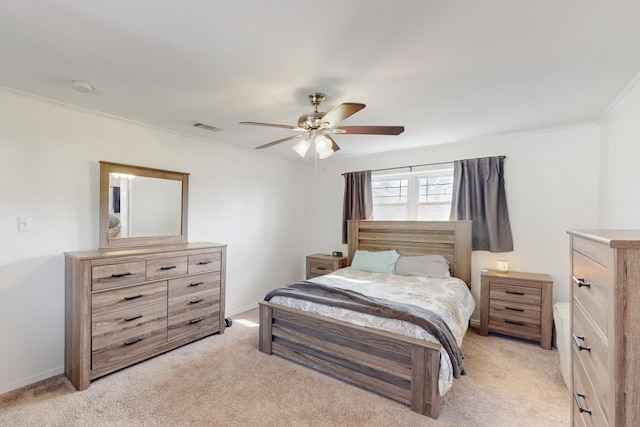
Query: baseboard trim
[[31, 379]]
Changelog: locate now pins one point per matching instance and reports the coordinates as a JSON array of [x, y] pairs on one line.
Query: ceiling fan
[[316, 126]]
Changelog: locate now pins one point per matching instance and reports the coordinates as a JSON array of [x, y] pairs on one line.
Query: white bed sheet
[[450, 298]]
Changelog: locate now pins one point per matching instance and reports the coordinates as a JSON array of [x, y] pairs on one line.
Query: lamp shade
[[302, 147]]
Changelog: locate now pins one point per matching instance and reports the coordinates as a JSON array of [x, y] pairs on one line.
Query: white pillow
[[375, 262], [435, 266]]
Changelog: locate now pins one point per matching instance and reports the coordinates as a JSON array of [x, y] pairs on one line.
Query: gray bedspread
[[356, 301]]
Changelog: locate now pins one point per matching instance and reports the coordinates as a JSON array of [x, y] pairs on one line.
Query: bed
[[400, 367]]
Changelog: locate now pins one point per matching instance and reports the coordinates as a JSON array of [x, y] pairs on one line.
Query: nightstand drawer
[[320, 264], [522, 328], [515, 311], [320, 268], [516, 293]]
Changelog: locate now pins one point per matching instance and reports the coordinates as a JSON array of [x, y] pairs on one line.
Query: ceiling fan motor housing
[[311, 120]]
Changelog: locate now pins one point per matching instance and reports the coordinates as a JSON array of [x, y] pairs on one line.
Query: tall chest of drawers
[[123, 306], [605, 301]]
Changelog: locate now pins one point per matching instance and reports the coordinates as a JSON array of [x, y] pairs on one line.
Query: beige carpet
[[225, 381]]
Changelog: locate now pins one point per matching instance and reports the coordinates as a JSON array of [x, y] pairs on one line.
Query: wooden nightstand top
[[327, 257], [518, 275]]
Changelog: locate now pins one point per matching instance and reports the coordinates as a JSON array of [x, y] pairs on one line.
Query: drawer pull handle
[[515, 309], [121, 274], [580, 282], [205, 262], [133, 341], [321, 268], [133, 297], [196, 320], [197, 300], [514, 293], [514, 322], [129, 319], [577, 397], [196, 284], [170, 267], [577, 340]]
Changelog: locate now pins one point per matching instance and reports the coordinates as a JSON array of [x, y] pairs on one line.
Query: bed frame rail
[[401, 368]]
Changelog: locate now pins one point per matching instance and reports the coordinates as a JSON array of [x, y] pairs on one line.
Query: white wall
[[49, 172], [619, 194], [548, 192]]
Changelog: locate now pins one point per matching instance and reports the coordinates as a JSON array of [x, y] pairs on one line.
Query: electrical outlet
[[24, 223]]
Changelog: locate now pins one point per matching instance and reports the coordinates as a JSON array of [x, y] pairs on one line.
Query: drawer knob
[[580, 281], [577, 396], [196, 320], [170, 267], [577, 340], [133, 297], [121, 274], [129, 319], [133, 341], [205, 262]]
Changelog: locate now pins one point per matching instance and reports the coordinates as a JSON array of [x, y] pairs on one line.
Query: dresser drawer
[[210, 261], [163, 268], [515, 293], [193, 284], [594, 250], [593, 295], [122, 299], [111, 349], [111, 322], [194, 301], [584, 396], [194, 321], [116, 275], [594, 354]]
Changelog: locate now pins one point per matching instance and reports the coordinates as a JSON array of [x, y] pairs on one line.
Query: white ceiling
[[446, 70]]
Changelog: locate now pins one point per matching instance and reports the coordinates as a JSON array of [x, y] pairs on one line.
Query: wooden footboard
[[398, 367]]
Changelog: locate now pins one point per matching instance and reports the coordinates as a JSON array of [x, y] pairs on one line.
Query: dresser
[[605, 302], [321, 264], [123, 306], [517, 304]]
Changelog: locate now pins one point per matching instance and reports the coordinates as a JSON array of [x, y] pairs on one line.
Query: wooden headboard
[[451, 239]]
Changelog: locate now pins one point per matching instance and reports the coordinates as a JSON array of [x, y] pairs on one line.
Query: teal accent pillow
[[435, 266], [375, 262]]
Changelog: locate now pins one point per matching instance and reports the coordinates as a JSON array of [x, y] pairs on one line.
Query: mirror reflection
[[143, 207]]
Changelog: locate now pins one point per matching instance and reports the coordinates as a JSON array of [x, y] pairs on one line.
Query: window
[[424, 195]]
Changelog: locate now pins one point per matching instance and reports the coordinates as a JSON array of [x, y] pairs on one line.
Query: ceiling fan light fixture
[[325, 154], [322, 144], [302, 147]]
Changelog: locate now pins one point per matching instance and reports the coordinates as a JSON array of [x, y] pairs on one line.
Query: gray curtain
[[358, 198], [479, 195]]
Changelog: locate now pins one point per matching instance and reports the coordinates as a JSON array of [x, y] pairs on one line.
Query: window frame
[[413, 203]]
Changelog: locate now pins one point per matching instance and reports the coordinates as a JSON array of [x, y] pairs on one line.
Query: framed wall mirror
[[142, 206]]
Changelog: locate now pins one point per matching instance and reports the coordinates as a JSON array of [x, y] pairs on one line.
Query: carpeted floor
[[225, 381]]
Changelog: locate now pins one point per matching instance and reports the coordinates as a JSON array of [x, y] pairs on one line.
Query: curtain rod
[[410, 167], [413, 166]]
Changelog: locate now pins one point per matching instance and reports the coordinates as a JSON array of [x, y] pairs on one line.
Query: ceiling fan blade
[[369, 130], [340, 112], [269, 125], [289, 138]]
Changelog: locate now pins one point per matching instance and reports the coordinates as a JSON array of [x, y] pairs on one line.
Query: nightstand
[[517, 304], [321, 264]]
